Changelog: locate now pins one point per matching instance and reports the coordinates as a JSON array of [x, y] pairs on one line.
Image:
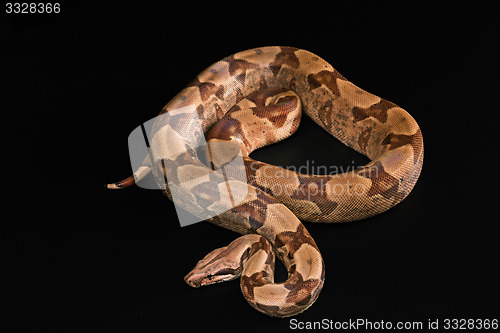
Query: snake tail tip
[[121, 184], [112, 186]]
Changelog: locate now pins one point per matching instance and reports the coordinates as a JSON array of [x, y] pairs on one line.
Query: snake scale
[[254, 98]]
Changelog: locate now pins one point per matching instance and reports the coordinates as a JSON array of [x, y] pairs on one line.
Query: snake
[[254, 98]]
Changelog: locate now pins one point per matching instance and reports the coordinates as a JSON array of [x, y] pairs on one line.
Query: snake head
[[223, 264]]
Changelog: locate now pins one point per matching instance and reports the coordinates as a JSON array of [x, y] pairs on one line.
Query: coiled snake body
[[254, 98]]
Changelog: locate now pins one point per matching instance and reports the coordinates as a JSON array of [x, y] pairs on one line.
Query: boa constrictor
[[254, 98]]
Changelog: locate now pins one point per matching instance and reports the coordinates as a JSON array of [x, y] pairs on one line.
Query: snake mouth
[[197, 279], [200, 279]]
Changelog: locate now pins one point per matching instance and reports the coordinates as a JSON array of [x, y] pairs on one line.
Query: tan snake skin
[[254, 98]]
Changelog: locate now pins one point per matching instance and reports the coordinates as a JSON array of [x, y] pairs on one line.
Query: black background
[[84, 259]]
